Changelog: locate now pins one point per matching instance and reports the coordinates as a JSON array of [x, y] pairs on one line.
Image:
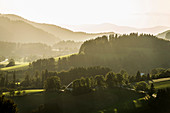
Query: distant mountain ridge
[[20, 31], [108, 27], [38, 32]]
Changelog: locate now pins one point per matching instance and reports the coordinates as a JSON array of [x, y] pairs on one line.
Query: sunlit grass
[[26, 91], [34, 90], [162, 84], [56, 58], [161, 79], [17, 67]]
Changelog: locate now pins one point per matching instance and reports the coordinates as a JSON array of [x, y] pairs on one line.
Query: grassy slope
[[26, 91], [26, 65], [162, 84], [17, 67], [92, 102], [56, 58]]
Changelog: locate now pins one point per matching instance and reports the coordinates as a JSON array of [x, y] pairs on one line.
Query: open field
[[161, 79], [162, 84], [114, 99], [30, 91], [17, 67]]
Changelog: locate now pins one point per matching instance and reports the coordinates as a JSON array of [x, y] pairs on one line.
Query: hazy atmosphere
[[134, 13], [84, 56]]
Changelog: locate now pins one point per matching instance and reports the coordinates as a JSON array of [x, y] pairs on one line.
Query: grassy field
[[17, 67], [30, 91], [161, 79], [162, 84], [106, 100]]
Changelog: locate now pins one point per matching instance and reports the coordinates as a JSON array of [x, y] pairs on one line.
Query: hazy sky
[[137, 13]]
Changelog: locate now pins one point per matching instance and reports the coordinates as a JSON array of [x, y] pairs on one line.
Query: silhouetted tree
[[100, 81], [52, 83], [152, 89], [138, 76], [110, 79], [141, 86], [7, 105]]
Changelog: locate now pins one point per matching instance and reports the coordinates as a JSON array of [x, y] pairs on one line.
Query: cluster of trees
[[69, 46], [4, 81], [84, 79], [82, 86], [39, 78], [24, 49], [130, 52], [76, 73], [160, 73], [33, 51], [52, 83], [32, 82], [43, 64], [47, 80], [110, 80], [107, 78]]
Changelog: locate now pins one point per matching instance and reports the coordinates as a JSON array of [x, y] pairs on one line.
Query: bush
[[11, 63], [141, 86]]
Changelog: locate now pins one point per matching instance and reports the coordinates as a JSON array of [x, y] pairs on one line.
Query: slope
[[129, 52], [20, 31], [163, 34], [57, 31]]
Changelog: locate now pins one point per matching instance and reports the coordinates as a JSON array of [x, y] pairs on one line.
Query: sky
[[134, 13]]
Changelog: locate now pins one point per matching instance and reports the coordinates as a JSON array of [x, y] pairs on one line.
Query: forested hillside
[[23, 49], [32, 51], [129, 52]]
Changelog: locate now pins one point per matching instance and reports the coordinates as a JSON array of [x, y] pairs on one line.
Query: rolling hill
[[128, 52], [19, 31], [38, 32]]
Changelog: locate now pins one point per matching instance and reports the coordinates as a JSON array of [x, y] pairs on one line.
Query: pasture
[[105, 100], [16, 67], [29, 91], [162, 84]]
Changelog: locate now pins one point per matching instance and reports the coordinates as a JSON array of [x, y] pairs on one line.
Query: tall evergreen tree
[[138, 76], [6, 80], [14, 79], [152, 89]]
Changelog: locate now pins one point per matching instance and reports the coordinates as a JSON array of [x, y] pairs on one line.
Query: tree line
[[130, 52], [104, 77]]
